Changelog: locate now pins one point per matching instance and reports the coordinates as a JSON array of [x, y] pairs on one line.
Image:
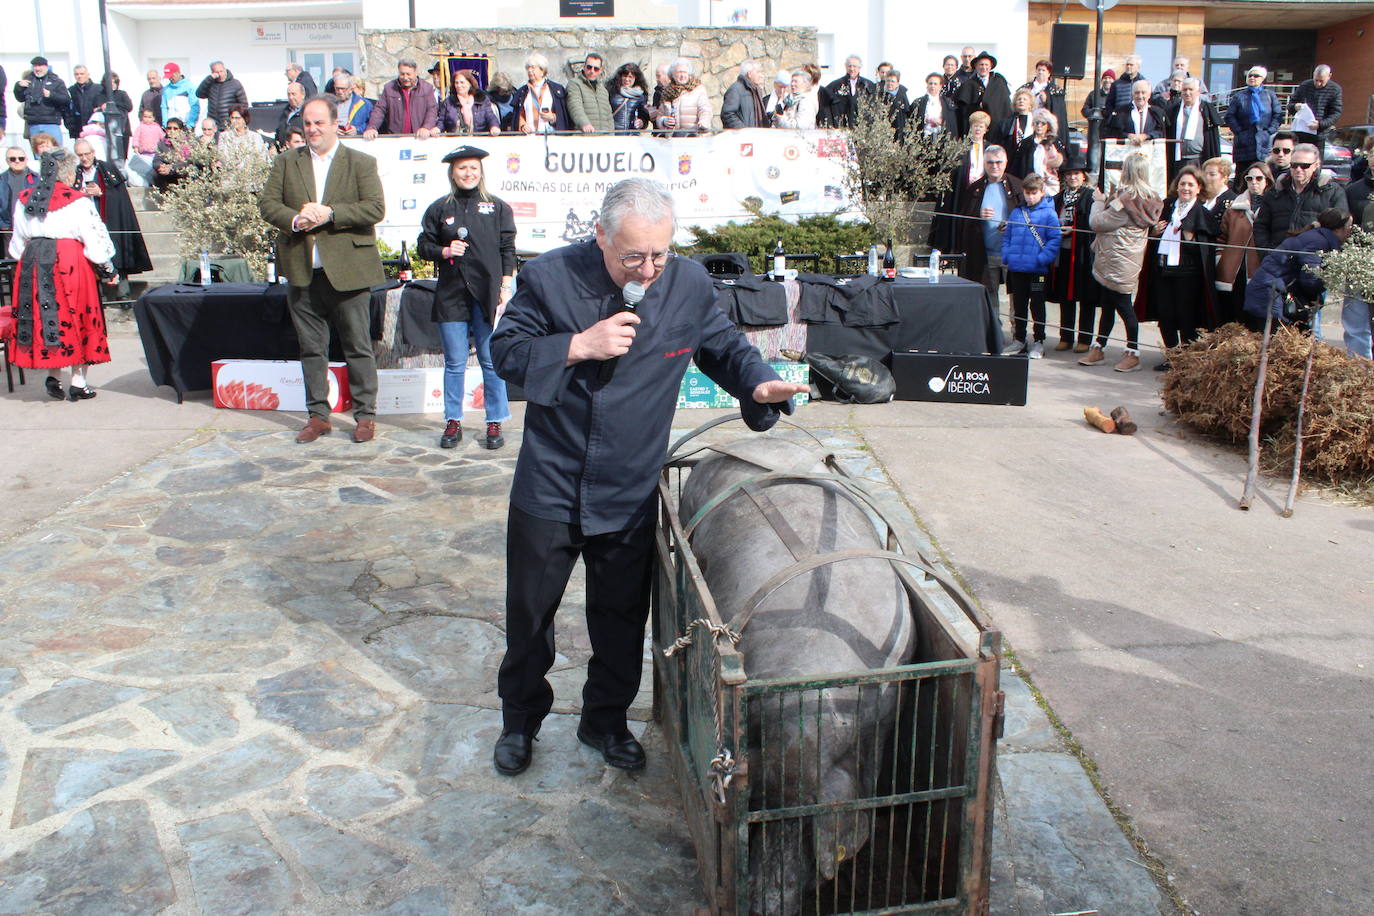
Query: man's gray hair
[[1322, 70], [1309, 148], [213, 62], [1194, 82], [643, 197], [1262, 71], [1134, 59], [993, 151], [747, 67], [407, 62], [1139, 82]]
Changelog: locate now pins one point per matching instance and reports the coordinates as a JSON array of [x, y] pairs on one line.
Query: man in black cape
[[110, 193]]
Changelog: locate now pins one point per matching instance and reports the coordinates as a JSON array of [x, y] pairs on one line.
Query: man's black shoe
[[619, 749], [513, 753]]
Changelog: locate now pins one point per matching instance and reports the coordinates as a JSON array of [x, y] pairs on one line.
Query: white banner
[[555, 184], [1116, 151]]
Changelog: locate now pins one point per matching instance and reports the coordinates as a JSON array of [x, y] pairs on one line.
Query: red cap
[[170, 69]]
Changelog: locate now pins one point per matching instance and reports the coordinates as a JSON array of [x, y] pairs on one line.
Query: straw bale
[[1212, 383]]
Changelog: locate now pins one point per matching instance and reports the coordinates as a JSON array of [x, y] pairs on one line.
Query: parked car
[[1342, 148]]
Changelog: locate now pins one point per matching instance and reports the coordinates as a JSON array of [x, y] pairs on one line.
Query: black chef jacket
[[592, 453]]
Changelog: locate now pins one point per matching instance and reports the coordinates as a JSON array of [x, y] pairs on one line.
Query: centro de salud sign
[[586, 9]]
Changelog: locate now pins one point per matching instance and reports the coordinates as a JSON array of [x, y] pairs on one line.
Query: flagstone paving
[[253, 677]]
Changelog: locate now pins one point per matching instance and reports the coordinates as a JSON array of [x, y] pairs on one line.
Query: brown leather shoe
[[364, 431], [313, 430]]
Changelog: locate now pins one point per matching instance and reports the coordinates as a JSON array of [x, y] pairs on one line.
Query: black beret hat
[[466, 152]]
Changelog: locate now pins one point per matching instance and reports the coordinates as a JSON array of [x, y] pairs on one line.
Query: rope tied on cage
[[722, 771], [716, 630]]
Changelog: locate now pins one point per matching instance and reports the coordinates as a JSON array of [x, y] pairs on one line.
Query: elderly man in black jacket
[[1138, 121], [1297, 199], [601, 385], [86, 96], [985, 91], [1194, 125], [1323, 95], [45, 98], [743, 104], [840, 99], [221, 92]]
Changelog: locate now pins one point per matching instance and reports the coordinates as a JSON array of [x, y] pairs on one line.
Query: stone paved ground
[[250, 677]]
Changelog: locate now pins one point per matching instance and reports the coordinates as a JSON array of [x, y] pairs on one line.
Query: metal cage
[[918, 830]]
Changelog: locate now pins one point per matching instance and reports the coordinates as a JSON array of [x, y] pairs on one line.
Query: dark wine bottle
[[889, 263], [272, 264], [405, 262]]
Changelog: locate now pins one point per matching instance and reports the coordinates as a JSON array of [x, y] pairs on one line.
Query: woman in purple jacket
[[467, 110]]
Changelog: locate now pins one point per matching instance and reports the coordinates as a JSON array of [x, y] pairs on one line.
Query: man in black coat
[[1297, 199], [986, 205], [743, 104], [86, 97], [1194, 126], [985, 91], [1120, 93], [295, 73], [1323, 95], [110, 193], [291, 115], [221, 92], [4, 105], [840, 99], [601, 385], [151, 100], [45, 99], [1139, 121]]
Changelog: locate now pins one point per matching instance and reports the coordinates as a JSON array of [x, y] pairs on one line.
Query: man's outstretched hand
[[777, 391]]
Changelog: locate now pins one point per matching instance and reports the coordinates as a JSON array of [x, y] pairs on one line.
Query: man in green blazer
[[325, 199]]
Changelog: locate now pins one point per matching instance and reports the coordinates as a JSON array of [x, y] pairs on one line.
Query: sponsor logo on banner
[[513, 163], [403, 155], [832, 146], [418, 178], [834, 192], [746, 150], [419, 157], [791, 153], [958, 381], [704, 198], [408, 204], [524, 209], [773, 172], [576, 229], [684, 164], [790, 197]]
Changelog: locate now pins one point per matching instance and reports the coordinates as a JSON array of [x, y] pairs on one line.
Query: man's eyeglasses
[[635, 259], [1302, 165], [590, 68], [1283, 150], [17, 158]]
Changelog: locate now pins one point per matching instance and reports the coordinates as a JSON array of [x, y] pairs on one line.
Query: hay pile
[[1212, 384]]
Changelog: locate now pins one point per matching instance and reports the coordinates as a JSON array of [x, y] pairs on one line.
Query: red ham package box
[[272, 384]]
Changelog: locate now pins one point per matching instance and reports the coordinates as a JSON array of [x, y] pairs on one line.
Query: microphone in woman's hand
[[462, 235]]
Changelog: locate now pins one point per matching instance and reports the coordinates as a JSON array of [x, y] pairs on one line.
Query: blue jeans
[[455, 337], [1355, 324]]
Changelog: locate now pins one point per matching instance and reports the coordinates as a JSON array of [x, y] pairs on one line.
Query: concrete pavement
[[1218, 694]]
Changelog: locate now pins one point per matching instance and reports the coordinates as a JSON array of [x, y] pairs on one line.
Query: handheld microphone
[[462, 236], [632, 293]]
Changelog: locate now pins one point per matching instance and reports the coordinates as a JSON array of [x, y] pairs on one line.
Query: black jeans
[[1027, 293], [539, 558], [1074, 313], [1113, 304], [313, 309]]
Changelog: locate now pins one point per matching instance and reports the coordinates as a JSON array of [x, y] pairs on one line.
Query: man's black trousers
[[540, 555]]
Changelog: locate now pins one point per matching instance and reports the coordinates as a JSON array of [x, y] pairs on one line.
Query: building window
[[1156, 53]]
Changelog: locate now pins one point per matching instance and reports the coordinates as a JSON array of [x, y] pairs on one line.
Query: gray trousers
[[313, 309]]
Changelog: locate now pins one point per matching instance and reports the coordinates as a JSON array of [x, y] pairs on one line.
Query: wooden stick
[[1124, 424], [1252, 472], [1098, 419], [1297, 440]]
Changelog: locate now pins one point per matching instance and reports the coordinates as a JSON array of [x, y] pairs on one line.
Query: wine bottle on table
[[779, 261], [405, 273], [889, 263]]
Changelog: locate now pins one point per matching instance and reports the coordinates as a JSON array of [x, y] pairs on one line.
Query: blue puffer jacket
[[1289, 268], [1022, 251]]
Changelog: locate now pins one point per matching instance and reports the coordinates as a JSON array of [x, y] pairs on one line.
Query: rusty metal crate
[[925, 820]]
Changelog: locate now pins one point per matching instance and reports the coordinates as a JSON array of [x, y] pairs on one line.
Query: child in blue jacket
[[1030, 246]]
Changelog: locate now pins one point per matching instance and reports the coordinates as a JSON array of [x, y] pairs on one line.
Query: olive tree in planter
[[1349, 270], [897, 180], [215, 205]]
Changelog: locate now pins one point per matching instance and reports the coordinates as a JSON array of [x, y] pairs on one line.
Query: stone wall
[[716, 53]]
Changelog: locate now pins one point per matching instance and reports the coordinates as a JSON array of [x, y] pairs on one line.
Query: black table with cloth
[[184, 327], [952, 316]]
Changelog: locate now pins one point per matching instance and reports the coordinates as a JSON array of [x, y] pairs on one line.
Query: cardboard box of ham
[[269, 384], [421, 391]]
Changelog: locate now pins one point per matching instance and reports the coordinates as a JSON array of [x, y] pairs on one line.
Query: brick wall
[[1350, 56]]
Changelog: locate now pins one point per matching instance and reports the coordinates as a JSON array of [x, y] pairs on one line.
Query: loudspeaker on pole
[[1069, 49]]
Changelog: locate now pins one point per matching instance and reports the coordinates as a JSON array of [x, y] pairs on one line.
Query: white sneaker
[[1037, 350], [1017, 346]]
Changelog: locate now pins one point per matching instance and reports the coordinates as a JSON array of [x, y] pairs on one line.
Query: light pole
[[1095, 114]]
